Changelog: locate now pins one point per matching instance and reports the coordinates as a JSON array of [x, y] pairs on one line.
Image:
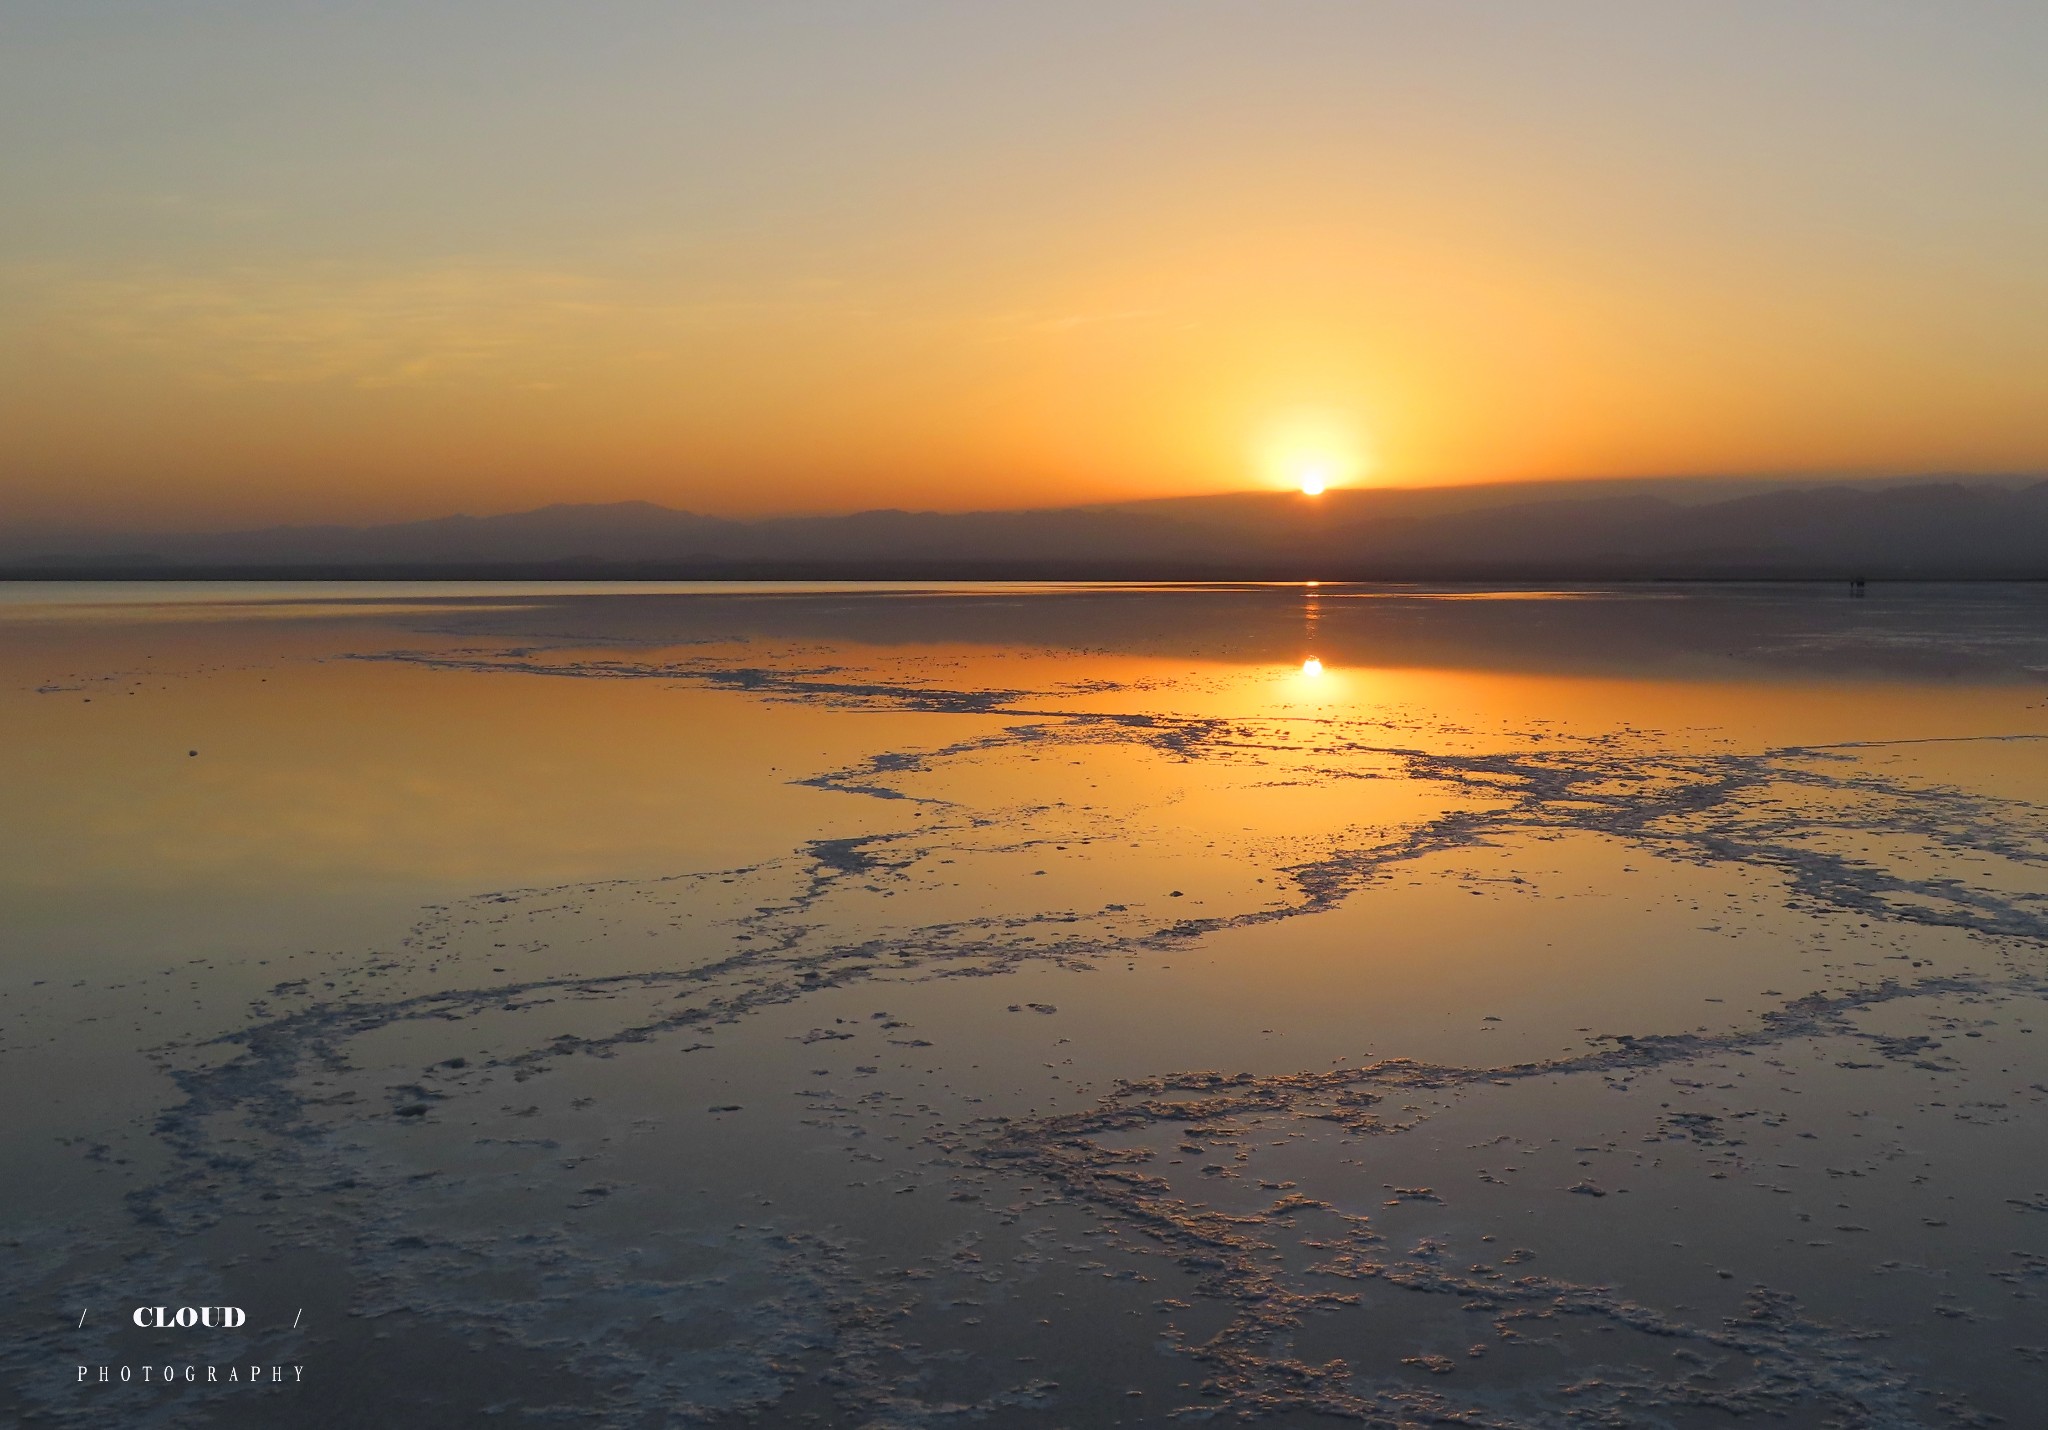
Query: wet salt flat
[[1029, 1006]]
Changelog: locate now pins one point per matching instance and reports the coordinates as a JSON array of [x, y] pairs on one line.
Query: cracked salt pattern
[[1043, 1007]]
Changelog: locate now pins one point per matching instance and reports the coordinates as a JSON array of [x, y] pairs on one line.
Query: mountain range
[[1924, 528]]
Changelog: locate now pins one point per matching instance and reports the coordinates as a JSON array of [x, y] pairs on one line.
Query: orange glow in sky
[[746, 260]]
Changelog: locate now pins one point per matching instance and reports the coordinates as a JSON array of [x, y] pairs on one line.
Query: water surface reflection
[[1035, 1005]]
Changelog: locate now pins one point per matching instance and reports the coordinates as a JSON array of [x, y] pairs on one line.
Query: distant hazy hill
[[1927, 528]]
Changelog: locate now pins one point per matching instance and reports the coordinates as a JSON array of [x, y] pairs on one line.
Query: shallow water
[[1028, 1006]]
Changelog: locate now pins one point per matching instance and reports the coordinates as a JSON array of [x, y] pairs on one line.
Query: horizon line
[[54, 530]]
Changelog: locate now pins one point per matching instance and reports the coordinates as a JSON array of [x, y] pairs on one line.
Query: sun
[[1311, 452]]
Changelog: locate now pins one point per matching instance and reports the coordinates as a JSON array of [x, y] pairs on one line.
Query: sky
[[290, 261]]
